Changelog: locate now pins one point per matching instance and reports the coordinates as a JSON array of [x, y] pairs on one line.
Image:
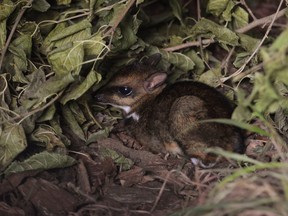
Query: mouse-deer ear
[[154, 81], [152, 60]]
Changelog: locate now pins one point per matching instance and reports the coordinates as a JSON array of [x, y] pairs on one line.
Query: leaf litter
[[62, 154]]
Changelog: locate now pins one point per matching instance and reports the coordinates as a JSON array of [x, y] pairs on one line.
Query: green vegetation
[[54, 55]]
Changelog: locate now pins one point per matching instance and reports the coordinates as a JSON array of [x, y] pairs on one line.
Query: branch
[[262, 21], [258, 22], [258, 46], [121, 17]]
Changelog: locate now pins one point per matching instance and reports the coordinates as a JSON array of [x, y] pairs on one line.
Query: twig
[[189, 44], [258, 46], [161, 190], [264, 20], [198, 10], [227, 59], [243, 2], [17, 20], [26, 115], [250, 26], [121, 17]]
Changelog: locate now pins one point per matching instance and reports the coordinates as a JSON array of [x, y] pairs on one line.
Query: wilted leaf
[[40, 5], [72, 122], [216, 7], [240, 59], [100, 134], [41, 161], [94, 46], [6, 8], [3, 33], [241, 18], [43, 91], [180, 60], [211, 77], [281, 121], [119, 159], [12, 141], [227, 13], [45, 136], [62, 35], [35, 81], [67, 60], [47, 114], [176, 9], [63, 2], [16, 60], [199, 64], [210, 29], [12, 136], [77, 91], [125, 36], [247, 42]]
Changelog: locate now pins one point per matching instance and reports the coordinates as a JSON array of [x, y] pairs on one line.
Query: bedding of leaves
[[62, 154]]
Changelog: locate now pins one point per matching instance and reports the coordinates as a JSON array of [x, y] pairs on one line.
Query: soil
[[99, 185]]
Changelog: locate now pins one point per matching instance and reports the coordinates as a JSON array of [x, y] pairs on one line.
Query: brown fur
[[169, 115]]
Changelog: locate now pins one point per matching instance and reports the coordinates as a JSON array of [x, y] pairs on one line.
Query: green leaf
[[72, 122], [280, 43], [67, 59], [12, 137], [199, 64], [282, 75], [119, 159], [247, 42], [177, 10], [3, 34], [16, 60], [125, 35], [240, 59], [6, 8], [227, 13], [216, 7], [242, 113], [47, 114], [95, 45], [209, 29], [241, 18], [39, 90], [269, 98], [100, 134], [78, 90], [12, 142], [42, 161], [40, 5], [180, 60], [211, 77], [63, 2], [62, 35]]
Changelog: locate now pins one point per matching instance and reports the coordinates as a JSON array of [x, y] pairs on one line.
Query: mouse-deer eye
[[125, 90]]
